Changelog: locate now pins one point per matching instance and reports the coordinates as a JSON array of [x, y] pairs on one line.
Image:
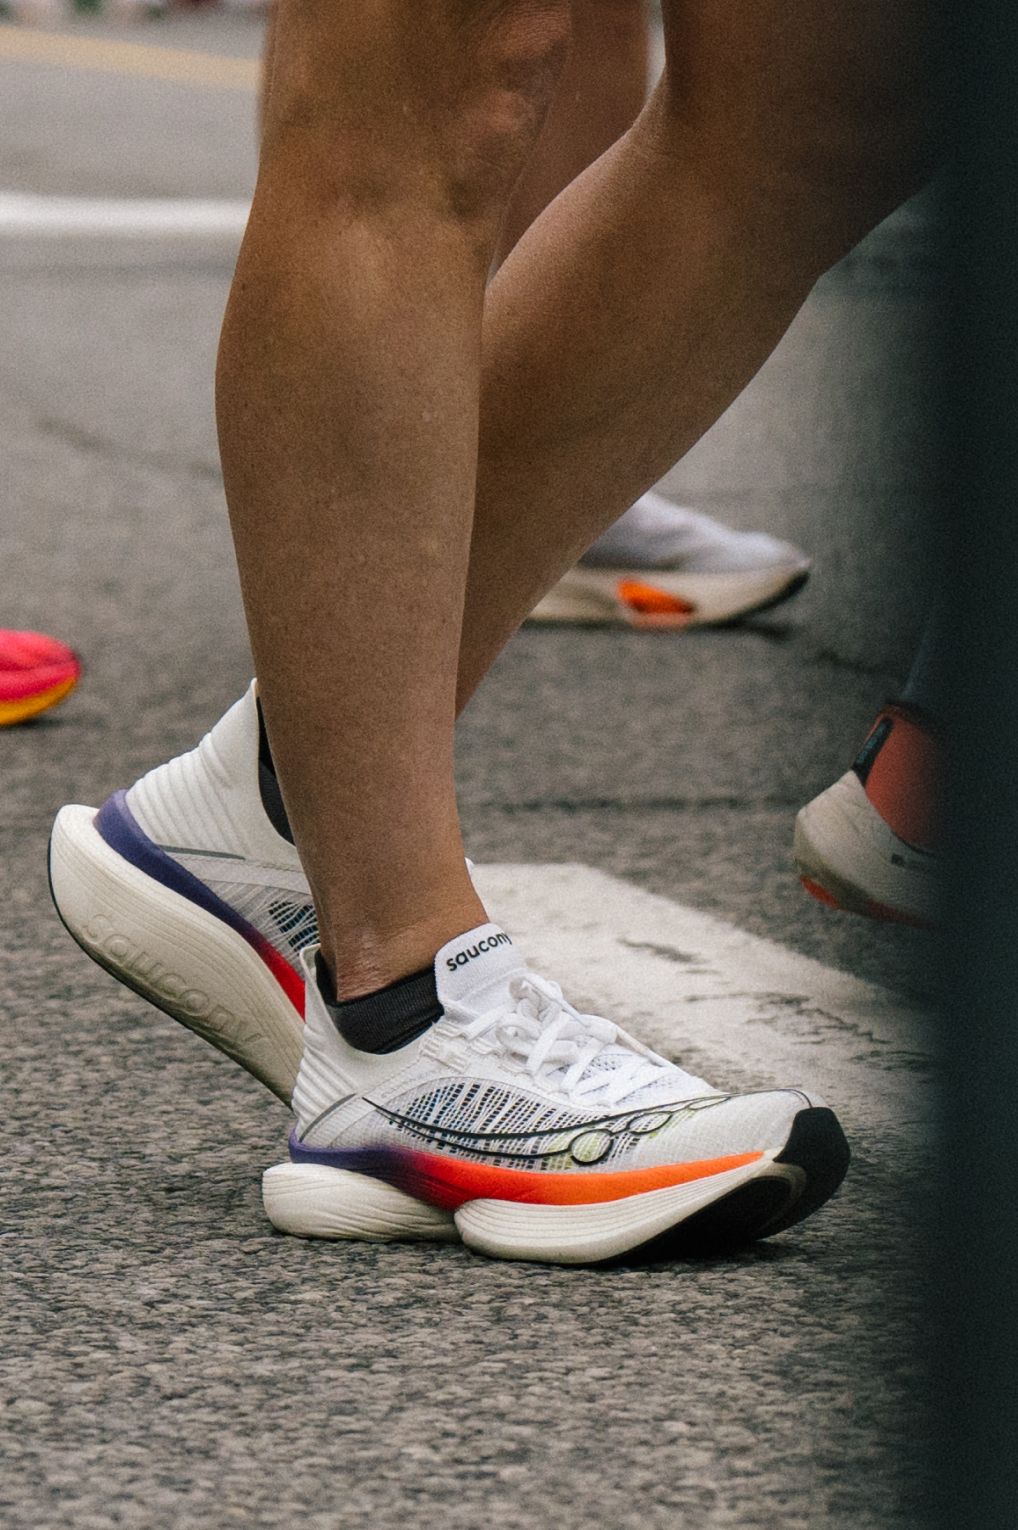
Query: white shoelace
[[583, 1056]]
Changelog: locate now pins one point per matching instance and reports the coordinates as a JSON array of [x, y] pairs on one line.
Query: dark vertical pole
[[977, 1237]]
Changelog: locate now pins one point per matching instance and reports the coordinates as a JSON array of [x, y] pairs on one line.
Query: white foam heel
[[137, 929], [311, 1200]]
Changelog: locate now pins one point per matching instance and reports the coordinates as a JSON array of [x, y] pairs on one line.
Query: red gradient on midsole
[[117, 825], [289, 982], [450, 1182]]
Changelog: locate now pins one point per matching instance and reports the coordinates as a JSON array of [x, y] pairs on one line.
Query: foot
[[663, 566], [188, 889], [531, 1131], [36, 672], [868, 843]]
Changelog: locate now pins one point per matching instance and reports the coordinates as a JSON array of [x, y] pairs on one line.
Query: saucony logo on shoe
[[469, 953]]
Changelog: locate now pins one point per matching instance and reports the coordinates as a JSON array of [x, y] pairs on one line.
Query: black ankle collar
[[388, 1019]]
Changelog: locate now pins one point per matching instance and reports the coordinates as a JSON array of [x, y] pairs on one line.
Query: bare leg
[[646, 297], [631, 314], [651, 292], [348, 401]]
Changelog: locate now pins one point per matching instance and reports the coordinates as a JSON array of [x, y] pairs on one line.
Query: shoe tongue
[[473, 972]]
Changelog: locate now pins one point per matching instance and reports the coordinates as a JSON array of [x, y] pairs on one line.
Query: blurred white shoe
[[665, 566], [871, 842]]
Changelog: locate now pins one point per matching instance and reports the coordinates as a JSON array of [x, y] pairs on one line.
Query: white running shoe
[[532, 1131], [183, 888], [870, 843], [664, 566]]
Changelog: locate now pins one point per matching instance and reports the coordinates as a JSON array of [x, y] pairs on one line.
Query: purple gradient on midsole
[[428, 1177], [122, 832], [392, 1164], [379, 1162]]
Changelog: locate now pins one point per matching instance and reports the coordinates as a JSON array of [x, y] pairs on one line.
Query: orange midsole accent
[[450, 1182], [819, 893], [29, 706], [651, 601]]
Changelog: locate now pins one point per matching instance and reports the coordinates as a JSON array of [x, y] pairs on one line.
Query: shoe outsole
[[816, 1148], [135, 929], [714, 1214]]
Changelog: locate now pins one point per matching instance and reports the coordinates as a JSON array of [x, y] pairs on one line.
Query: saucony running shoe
[[532, 1131]]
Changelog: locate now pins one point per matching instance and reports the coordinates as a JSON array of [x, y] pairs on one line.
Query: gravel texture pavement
[[166, 1359]]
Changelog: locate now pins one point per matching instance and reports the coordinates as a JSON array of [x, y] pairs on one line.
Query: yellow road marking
[[178, 65]]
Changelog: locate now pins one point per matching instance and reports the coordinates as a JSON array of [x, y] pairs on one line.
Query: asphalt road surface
[[166, 1359]]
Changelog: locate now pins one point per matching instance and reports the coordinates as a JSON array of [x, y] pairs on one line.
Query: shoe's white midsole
[[184, 960], [311, 1200], [842, 843], [591, 595], [315, 1201]]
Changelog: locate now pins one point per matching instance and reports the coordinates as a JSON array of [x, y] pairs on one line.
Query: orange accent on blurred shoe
[[653, 607], [819, 893], [665, 568], [36, 672]]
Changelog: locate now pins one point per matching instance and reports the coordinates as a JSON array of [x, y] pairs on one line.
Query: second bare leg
[[645, 298]]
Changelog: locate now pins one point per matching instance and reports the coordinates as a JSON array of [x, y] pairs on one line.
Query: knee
[[514, 52], [438, 103]]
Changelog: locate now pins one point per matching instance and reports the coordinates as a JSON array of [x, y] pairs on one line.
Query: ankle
[[363, 960]]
